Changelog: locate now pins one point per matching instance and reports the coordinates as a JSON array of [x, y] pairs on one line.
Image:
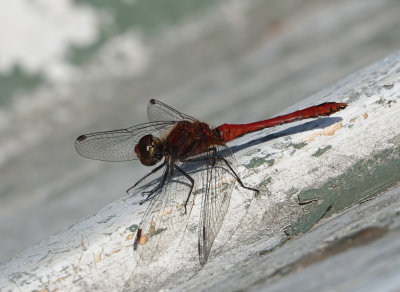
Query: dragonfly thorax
[[150, 150]]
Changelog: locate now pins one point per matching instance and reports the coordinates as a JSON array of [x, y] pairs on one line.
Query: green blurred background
[[73, 67]]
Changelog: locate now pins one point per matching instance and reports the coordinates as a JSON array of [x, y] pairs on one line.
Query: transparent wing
[[118, 145], [165, 218], [158, 111], [218, 185]]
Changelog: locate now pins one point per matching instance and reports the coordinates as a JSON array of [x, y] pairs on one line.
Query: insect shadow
[[308, 126]]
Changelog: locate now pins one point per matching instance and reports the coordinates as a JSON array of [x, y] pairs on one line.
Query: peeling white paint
[[97, 252]]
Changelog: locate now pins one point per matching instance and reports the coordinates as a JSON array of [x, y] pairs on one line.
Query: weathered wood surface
[[238, 62], [339, 167]]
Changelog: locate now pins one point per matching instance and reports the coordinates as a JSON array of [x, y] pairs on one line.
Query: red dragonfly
[[193, 158]]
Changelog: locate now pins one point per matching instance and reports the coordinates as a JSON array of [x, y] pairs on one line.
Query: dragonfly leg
[[191, 183], [214, 157], [147, 175], [237, 176], [150, 194]]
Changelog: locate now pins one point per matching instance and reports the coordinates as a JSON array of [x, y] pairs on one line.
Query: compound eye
[[146, 150], [150, 147]]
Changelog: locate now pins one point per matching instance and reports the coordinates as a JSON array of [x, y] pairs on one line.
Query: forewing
[[218, 185], [158, 111], [118, 145], [165, 218]]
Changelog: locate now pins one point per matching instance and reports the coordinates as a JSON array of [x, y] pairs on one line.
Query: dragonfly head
[[150, 150]]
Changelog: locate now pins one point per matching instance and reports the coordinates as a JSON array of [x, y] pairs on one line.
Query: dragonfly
[[191, 158]]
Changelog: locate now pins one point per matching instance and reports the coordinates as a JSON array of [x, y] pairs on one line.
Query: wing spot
[[81, 138]]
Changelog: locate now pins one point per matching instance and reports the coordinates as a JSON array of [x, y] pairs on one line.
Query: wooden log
[[338, 168]]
